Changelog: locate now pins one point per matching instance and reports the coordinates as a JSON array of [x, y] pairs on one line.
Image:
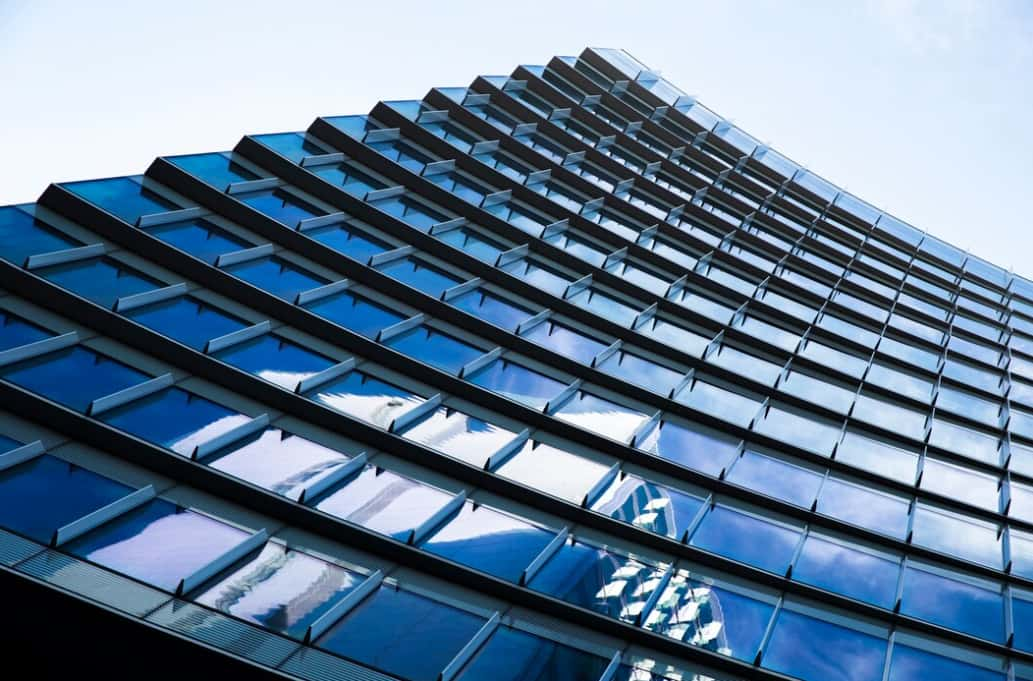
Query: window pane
[[421, 276], [355, 313], [276, 276], [459, 435], [121, 196], [21, 235], [657, 508], [275, 359], [865, 507], [186, 320], [39, 496], [957, 482], [565, 341], [216, 169], [695, 447], [601, 416], [350, 241], [747, 539], [956, 535], [511, 655], [365, 397], [878, 456], [199, 238], [911, 664], [391, 621], [96, 376], [490, 308], [281, 589], [158, 543], [435, 348], [517, 383], [552, 470], [641, 372], [487, 540], [174, 419], [775, 478], [815, 650], [15, 332], [953, 602], [840, 568], [280, 205], [101, 280]]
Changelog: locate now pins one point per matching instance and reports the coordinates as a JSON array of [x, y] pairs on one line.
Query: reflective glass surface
[[276, 276], [99, 279], [746, 538], [953, 601], [518, 383], [565, 341], [435, 348], [121, 196], [657, 508], [600, 416], [552, 470], [814, 650], [845, 569], [48, 376], [275, 359], [15, 332], [349, 240], [696, 447], [365, 397], [186, 320], [21, 235], [356, 313], [199, 238], [460, 435], [512, 655], [776, 478], [912, 664]]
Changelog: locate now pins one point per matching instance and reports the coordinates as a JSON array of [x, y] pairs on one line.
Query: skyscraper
[[556, 376]]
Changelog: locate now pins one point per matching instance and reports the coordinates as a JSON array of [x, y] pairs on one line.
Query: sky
[[923, 108]]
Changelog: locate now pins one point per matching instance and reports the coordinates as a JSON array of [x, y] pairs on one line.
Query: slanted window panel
[[775, 477], [419, 275], [158, 543], [41, 495], [641, 372], [747, 538], [696, 447], [275, 359], [435, 348], [911, 664], [276, 276], [851, 571], [350, 241], [513, 655], [565, 341], [363, 396], [355, 313], [601, 416], [401, 633], [872, 509], [553, 470], [199, 238], [21, 235], [96, 376], [957, 535], [473, 243], [459, 435], [348, 177], [187, 320], [518, 383], [218, 170], [816, 650], [954, 601], [174, 419], [15, 332], [878, 456], [121, 196], [657, 508], [280, 205], [101, 280], [491, 308]]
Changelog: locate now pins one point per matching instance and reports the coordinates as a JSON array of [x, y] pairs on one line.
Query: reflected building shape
[[556, 375]]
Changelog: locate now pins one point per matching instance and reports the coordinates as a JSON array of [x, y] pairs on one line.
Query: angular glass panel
[[41, 495], [512, 655], [776, 478], [489, 541], [199, 238], [865, 507], [891, 416], [795, 427], [597, 579], [553, 470], [384, 502], [281, 589], [845, 569], [366, 397], [605, 306], [747, 538], [657, 508], [349, 240], [601, 416], [878, 456], [280, 205], [15, 332], [518, 383], [912, 664], [696, 447], [676, 336], [276, 276], [416, 213], [275, 359], [101, 280], [642, 372], [966, 441], [187, 320], [293, 145], [279, 461], [158, 543], [435, 348], [958, 482], [22, 235], [473, 243], [96, 376], [121, 196], [538, 274], [711, 617], [491, 308], [217, 169], [953, 601], [459, 435], [565, 341], [957, 535], [174, 419], [356, 313], [1022, 615], [401, 633], [719, 402], [815, 650], [421, 276]]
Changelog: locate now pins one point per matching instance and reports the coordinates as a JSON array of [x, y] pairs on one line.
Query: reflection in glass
[[460, 435]]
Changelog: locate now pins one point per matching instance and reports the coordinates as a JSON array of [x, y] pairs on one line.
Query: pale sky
[[924, 109]]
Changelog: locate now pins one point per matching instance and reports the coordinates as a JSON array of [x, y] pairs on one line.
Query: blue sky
[[921, 108]]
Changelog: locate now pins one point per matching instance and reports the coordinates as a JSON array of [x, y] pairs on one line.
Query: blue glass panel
[[518, 383], [404, 154], [121, 196], [697, 447], [474, 243], [835, 566], [864, 507], [640, 372], [776, 478], [365, 397], [601, 416], [351, 179], [747, 539], [385, 502], [419, 275], [565, 341], [415, 213], [353, 125], [8, 443], [174, 419], [489, 541], [21, 236], [199, 238], [814, 650], [435, 348], [1022, 615], [279, 461], [280, 205], [158, 543], [957, 535], [657, 508], [711, 617], [539, 275], [216, 169], [490, 308], [459, 435], [350, 241], [911, 664], [186, 320], [275, 359], [512, 655], [953, 603], [46, 493], [15, 332], [276, 276], [597, 579], [553, 470], [293, 145], [281, 589], [355, 313], [101, 280], [96, 376], [403, 634]]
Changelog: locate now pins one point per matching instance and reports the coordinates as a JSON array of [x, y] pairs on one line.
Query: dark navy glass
[[8, 443], [276, 276], [815, 650], [15, 332], [99, 279], [187, 320], [21, 235], [174, 419], [512, 655], [403, 634], [95, 376], [275, 359], [356, 313], [121, 196], [39, 496], [912, 664], [199, 238]]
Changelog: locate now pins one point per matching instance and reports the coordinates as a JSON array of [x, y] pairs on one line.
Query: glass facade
[[557, 376]]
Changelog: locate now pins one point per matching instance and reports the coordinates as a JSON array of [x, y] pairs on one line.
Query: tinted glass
[[350, 241], [121, 196], [275, 359], [21, 236], [512, 655], [518, 383], [96, 376], [601, 416], [435, 348], [215, 169], [657, 508], [280, 205], [199, 238], [775, 478], [101, 280], [698, 448], [360, 395], [355, 313], [186, 320], [552, 470], [419, 275], [815, 650], [460, 435], [276, 276], [15, 332], [865, 507], [835, 566], [565, 341], [747, 539], [954, 603], [911, 664], [490, 308]]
